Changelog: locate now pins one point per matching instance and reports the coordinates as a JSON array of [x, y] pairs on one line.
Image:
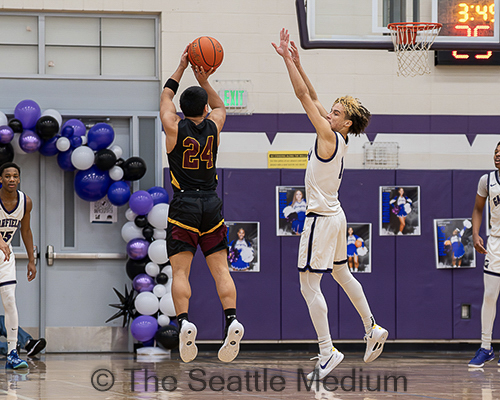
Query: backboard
[[362, 24]]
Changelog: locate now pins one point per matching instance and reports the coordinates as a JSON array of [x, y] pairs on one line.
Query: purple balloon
[[158, 194], [75, 141], [100, 136], [29, 141], [6, 134], [119, 193], [137, 249], [67, 131], [143, 328], [48, 147], [92, 184], [143, 283], [78, 126], [64, 160], [141, 202], [28, 112]]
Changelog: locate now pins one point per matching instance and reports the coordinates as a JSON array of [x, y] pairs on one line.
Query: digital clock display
[[472, 19]]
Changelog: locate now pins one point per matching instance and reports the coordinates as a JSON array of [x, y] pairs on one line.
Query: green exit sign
[[234, 98]]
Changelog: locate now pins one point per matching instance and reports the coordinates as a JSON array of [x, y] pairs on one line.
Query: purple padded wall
[[359, 195], [249, 195], [423, 293], [468, 282]]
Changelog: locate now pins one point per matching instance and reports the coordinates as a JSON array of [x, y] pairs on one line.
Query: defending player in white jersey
[[15, 209], [488, 188], [323, 247]]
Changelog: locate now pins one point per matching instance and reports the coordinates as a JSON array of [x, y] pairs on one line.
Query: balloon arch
[[102, 172]]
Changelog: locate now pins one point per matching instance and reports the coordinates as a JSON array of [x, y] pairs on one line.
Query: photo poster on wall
[[399, 210], [290, 210], [244, 246], [453, 243], [359, 254]]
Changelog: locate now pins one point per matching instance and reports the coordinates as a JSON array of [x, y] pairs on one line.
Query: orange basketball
[[205, 52], [358, 243]]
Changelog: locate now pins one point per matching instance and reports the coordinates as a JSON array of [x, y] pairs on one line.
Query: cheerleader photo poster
[[290, 210], [359, 255], [453, 243], [400, 210], [243, 239]]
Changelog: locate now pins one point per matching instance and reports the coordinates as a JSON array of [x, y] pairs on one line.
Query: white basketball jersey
[[323, 179], [11, 220], [494, 198]]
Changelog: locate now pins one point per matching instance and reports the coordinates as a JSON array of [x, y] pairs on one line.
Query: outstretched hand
[[283, 48], [294, 51]]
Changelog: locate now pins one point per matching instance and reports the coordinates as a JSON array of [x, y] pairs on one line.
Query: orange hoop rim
[[414, 26]]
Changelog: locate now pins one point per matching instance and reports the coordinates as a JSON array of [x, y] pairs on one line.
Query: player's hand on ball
[[184, 58]]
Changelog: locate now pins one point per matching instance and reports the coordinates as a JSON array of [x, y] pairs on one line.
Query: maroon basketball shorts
[[195, 218]]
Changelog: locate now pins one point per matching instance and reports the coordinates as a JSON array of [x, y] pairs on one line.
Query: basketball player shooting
[[323, 247], [195, 216], [15, 209]]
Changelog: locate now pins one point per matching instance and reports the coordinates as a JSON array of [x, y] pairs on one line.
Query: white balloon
[[157, 251], [160, 234], [117, 150], [3, 119], [151, 269], [131, 231], [146, 303], [63, 144], [158, 216], [15, 144], [167, 270], [84, 139], [116, 173], [130, 215], [167, 305], [54, 114], [82, 158], [160, 291], [163, 320]]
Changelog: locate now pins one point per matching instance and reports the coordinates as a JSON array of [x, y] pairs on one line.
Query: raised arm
[[218, 113], [327, 140], [314, 96], [477, 217], [27, 236], [168, 113]]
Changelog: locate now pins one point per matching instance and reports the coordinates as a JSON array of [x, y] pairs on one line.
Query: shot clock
[[472, 19]]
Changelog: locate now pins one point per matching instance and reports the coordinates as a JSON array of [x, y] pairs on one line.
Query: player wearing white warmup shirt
[[15, 208], [488, 188], [323, 247]]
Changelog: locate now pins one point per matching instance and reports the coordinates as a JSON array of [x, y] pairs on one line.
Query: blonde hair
[[356, 113]]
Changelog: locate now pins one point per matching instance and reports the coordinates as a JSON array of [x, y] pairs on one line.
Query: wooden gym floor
[[253, 375]]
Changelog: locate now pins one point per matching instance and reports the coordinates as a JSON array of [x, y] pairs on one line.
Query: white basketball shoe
[[187, 336], [325, 364], [375, 340], [231, 346]]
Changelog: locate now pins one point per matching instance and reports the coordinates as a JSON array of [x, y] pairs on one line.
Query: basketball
[[358, 243], [205, 52]]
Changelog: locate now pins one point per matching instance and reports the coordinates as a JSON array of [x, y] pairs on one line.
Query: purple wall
[[407, 294]]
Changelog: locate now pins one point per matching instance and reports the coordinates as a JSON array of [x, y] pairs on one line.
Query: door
[[70, 299]]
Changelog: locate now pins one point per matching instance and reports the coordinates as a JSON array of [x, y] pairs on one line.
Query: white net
[[412, 42], [381, 155]]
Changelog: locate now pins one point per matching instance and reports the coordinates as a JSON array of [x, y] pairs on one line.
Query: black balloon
[[6, 153], [105, 159], [141, 221], [148, 233], [161, 278], [167, 337], [16, 125], [133, 169], [119, 162], [47, 127], [136, 267]]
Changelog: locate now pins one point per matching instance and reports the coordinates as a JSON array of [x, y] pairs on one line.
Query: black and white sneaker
[[35, 346], [231, 346]]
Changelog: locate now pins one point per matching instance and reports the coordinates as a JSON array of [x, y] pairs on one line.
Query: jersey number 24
[[191, 160]]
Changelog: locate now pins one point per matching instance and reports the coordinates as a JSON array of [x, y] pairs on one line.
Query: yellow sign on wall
[[287, 159]]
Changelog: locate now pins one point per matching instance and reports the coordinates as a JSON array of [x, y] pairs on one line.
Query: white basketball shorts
[[492, 260], [323, 243]]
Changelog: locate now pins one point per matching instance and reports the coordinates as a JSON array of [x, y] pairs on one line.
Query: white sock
[[489, 308], [8, 293]]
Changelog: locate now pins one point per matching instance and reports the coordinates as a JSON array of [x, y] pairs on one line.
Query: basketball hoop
[[412, 42]]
